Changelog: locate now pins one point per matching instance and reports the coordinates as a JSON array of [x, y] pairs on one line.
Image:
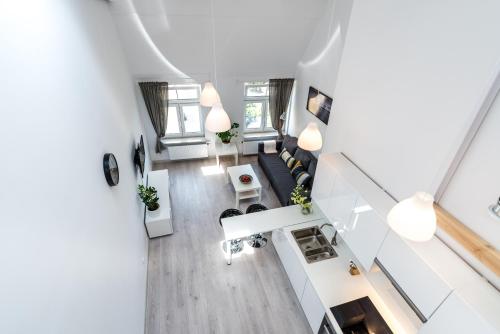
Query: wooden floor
[[190, 287]]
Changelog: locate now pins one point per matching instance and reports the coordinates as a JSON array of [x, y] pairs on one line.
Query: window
[[184, 117], [257, 117]]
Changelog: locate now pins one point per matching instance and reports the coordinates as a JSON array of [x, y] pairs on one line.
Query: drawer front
[[420, 283]]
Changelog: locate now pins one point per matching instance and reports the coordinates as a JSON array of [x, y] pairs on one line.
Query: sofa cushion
[[279, 176], [297, 169], [303, 179], [312, 167], [287, 158], [304, 156], [290, 143], [285, 155], [270, 162]]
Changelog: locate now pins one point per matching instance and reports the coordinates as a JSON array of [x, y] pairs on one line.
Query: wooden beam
[[470, 240]]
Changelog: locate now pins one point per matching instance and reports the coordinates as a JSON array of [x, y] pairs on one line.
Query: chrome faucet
[[334, 239]]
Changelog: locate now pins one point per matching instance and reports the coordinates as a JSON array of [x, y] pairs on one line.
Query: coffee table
[[243, 191]]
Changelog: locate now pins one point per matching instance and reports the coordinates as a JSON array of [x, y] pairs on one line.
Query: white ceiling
[[173, 38]]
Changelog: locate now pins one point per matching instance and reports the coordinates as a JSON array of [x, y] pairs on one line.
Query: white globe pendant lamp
[[310, 138], [414, 218], [217, 119], [209, 95]]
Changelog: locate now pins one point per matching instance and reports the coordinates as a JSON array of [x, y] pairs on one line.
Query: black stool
[[256, 240], [236, 245]]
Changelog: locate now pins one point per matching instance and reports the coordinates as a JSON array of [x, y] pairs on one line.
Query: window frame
[[261, 99], [179, 104]]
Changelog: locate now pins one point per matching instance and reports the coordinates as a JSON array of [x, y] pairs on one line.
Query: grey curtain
[[279, 96], [155, 96]]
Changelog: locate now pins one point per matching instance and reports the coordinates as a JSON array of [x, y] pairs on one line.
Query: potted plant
[[226, 136], [301, 197], [149, 197]]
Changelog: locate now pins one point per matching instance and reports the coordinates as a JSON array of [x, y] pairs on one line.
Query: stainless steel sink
[[313, 244]]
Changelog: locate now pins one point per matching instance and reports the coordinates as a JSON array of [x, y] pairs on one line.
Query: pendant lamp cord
[[213, 42]]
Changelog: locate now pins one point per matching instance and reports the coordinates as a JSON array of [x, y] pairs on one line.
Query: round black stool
[[236, 245], [256, 240]]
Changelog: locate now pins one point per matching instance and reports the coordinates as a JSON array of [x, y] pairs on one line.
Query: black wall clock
[[111, 169]]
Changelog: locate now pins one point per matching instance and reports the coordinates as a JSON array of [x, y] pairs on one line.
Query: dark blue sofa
[[279, 174]]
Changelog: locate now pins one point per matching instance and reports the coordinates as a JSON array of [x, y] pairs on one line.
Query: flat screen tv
[[319, 104], [140, 156]]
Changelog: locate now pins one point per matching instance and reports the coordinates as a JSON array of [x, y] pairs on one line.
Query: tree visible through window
[[256, 106], [184, 118]]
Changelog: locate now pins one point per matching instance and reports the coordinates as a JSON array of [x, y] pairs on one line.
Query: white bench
[[159, 222]]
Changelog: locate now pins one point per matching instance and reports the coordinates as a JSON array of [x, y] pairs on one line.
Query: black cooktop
[[360, 317]]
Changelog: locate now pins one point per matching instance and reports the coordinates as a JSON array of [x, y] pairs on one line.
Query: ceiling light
[[414, 218], [310, 138], [217, 119], [209, 95]]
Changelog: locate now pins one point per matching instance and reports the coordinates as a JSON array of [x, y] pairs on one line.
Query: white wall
[[476, 184], [171, 40], [411, 78], [319, 65], [72, 249]]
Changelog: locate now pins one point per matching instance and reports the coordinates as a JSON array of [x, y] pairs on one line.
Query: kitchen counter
[[266, 221], [334, 285]]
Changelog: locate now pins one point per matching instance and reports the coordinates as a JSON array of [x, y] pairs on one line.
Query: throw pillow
[[290, 162], [290, 143], [284, 155], [312, 168], [297, 169], [304, 156], [303, 178]]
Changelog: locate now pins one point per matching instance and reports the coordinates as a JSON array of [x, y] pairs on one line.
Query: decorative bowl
[[246, 179]]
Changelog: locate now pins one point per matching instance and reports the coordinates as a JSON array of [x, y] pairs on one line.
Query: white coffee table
[[251, 190]]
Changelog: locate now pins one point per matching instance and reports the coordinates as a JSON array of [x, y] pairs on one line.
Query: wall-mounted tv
[[140, 156], [319, 104]]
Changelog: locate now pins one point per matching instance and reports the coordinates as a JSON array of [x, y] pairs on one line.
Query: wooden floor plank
[[190, 287]]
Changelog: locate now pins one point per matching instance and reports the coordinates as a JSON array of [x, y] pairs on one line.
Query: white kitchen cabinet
[[456, 316], [335, 197], [291, 263], [309, 300], [365, 233], [353, 204], [312, 307], [426, 289], [322, 190], [343, 200]]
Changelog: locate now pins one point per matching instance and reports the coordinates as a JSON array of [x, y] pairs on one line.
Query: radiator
[[250, 147], [183, 152]]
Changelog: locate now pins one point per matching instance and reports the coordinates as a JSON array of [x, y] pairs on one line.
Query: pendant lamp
[[310, 138], [217, 119], [209, 95], [414, 218]]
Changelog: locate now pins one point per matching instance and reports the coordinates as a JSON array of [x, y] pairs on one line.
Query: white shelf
[[249, 194], [159, 223]]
